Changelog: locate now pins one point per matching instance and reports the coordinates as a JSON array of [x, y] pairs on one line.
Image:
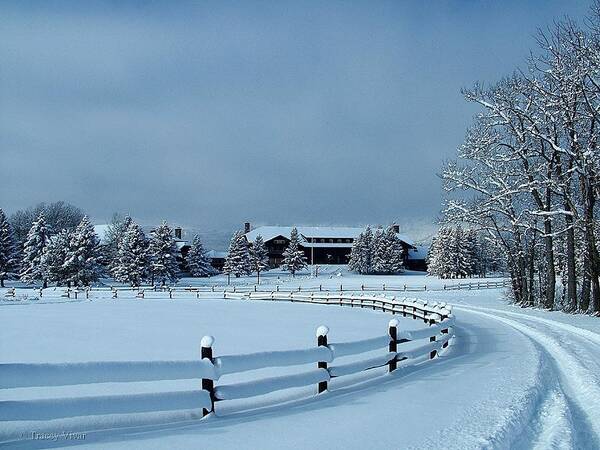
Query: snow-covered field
[[513, 378]]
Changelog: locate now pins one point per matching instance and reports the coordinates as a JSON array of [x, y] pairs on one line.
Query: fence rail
[[210, 368], [172, 291]]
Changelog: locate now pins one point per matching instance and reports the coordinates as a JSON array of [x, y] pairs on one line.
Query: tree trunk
[[550, 273], [571, 297]]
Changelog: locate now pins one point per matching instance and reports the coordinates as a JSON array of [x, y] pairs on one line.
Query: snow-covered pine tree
[[362, 252], [32, 268], [83, 260], [293, 258], [472, 252], [55, 256], [395, 251], [163, 255], [459, 253], [114, 234], [7, 250], [238, 258], [439, 260], [259, 256], [197, 262], [355, 263], [433, 257], [133, 263], [378, 251], [388, 255]]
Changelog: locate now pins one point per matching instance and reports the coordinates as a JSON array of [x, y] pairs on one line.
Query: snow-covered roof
[[419, 253], [215, 254], [181, 243], [101, 231], [270, 232]]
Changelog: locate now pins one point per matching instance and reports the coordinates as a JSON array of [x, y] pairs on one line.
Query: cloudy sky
[[211, 114]]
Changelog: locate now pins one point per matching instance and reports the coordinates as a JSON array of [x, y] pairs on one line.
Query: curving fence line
[[172, 291], [393, 348]]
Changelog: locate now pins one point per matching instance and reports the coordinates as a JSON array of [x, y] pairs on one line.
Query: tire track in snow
[[577, 381]]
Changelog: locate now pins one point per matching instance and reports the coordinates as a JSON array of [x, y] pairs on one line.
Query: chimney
[[178, 231], [246, 227], [396, 228]]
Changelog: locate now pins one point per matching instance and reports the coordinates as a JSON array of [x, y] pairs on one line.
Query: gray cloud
[[209, 114]]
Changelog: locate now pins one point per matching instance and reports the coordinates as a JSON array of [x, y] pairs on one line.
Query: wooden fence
[[172, 291], [210, 368]]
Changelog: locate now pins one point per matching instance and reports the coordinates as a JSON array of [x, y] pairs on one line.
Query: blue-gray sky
[[213, 113]]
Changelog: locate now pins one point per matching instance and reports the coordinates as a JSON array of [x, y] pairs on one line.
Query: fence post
[[115, 294], [322, 342], [75, 291], [277, 288], [384, 287], [208, 385], [393, 347], [170, 293], [445, 331], [432, 339], [320, 288], [341, 287]]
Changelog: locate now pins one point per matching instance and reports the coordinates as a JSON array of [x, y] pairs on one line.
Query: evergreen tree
[[197, 262], [33, 250], [458, 255], [472, 253], [114, 235], [361, 254], [132, 258], [83, 261], [163, 255], [55, 256], [388, 254], [238, 259], [293, 258], [355, 262], [259, 256], [378, 251], [8, 255], [440, 263]]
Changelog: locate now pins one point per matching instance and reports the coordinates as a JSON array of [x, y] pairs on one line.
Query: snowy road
[[569, 413], [514, 378]]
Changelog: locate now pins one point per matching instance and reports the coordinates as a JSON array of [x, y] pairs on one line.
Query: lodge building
[[321, 245]]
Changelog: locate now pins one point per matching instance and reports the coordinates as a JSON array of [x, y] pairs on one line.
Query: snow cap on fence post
[[322, 342], [207, 384], [393, 346]]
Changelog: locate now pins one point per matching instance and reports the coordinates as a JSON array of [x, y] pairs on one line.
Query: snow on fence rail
[[210, 368], [171, 291]]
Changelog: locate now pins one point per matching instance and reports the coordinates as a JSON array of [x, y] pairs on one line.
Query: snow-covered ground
[[513, 378]]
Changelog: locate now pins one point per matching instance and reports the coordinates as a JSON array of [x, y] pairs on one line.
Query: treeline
[[459, 253], [74, 256], [377, 253], [528, 173]]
